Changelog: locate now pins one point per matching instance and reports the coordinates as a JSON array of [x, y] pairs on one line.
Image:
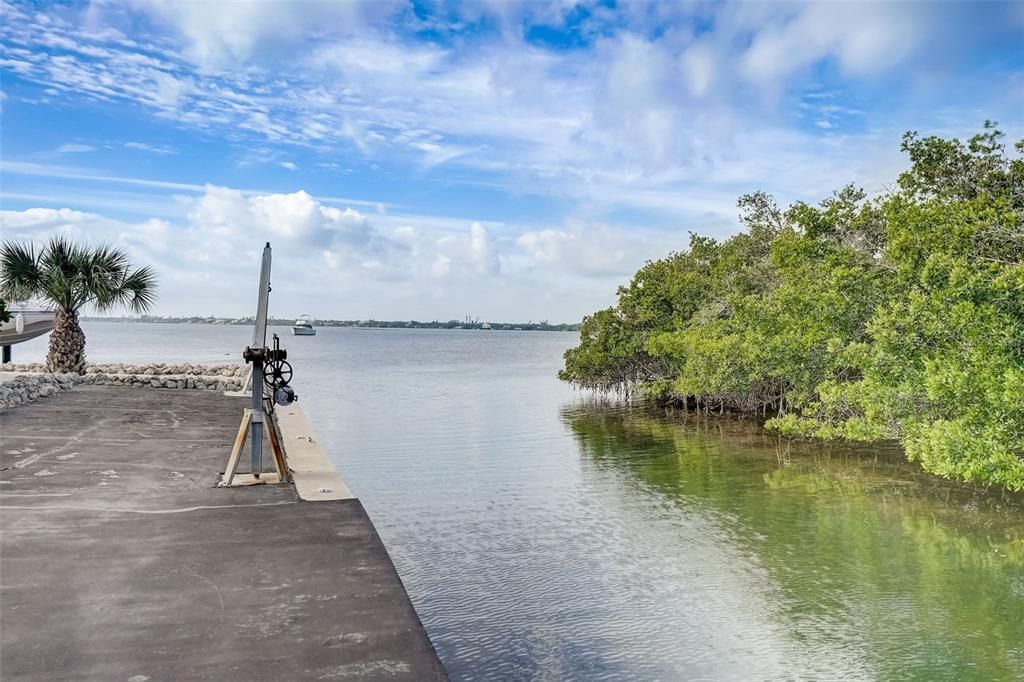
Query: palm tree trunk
[[67, 344]]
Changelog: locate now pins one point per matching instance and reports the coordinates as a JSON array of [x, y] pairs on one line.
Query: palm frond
[[62, 288], [138, 290], [20, 274], [103, 272], [61, 254], [73, 276]]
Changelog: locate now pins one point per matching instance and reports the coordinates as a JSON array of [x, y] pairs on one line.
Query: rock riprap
[[150, 369], [24, 388], [32, 378]]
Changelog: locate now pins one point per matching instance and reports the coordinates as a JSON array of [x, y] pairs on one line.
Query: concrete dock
[[121, 560]]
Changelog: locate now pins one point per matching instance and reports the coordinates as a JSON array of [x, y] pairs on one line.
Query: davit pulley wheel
[[276, 374]]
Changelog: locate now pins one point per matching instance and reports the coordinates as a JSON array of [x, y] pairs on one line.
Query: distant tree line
[[899, 316], [374, 324]]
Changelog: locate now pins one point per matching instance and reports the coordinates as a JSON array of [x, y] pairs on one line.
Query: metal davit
[[269, 379]]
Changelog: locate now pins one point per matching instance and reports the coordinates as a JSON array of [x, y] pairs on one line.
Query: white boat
[[303, 326], [28, 320]]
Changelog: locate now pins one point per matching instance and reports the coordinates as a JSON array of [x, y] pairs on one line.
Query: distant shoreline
[[365, 324]]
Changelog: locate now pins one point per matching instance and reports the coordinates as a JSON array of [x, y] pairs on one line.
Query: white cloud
[[644, 109], [649, 122], [864, 38], [698, 66], [314, 243], [485, 260], [160, 150], [471, 253], [46, 221], [218, 35], [364, 57], [442, 265], [436, 154], [297, 222], [75, 148], [148, 241], [340, 263], [76, 173], [599, 251], [545, 247]]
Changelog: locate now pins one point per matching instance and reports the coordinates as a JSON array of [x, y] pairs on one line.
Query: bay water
[[544, 534]]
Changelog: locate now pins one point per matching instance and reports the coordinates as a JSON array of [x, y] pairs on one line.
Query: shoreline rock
[[149, 368], [32, 381], [27, 388]]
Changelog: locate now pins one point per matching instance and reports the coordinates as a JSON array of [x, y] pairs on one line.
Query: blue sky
[[510, 160]]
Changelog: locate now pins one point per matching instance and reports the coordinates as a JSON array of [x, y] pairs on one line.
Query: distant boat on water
[[303, 326], [485, 325]]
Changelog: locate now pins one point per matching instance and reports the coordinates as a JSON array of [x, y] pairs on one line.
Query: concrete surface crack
[[209, 582], [32, 459]]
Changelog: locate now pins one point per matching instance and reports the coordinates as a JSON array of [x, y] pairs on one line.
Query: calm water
[[544, 536]]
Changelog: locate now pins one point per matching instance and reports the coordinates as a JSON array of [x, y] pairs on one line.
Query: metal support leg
[[7, 354], [257, 418]]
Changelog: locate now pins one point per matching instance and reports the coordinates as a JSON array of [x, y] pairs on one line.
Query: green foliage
[[72, 276], [897, 317], [612, 354]]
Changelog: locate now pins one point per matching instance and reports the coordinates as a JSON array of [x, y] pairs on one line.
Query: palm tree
[[72, 276]]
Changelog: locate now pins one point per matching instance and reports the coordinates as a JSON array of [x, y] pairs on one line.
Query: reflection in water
[[545, 537], [870, 560]]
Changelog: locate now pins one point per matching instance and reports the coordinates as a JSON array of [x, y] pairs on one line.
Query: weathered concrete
[[315, 477], [120, 560]]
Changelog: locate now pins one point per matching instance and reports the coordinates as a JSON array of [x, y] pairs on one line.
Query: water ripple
[[543, 537]]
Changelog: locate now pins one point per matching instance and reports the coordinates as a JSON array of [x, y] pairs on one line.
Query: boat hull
[[35, 323], [303, 331]]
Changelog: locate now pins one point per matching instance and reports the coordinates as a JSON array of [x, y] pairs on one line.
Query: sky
[[426, 160]]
